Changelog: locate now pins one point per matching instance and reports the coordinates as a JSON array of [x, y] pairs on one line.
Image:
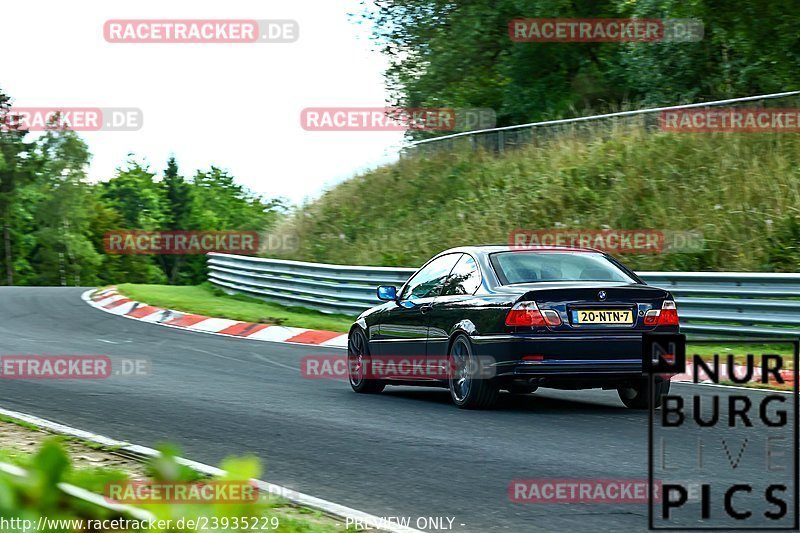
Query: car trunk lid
[[595, 306]]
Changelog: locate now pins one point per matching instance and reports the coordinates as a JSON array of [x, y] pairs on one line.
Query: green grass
[[14, 457], [759, 385], [740, 351], [205, 299], [741, 191], [21, 423]]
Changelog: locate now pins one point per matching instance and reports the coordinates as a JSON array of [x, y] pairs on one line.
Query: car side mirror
[[387, 293]]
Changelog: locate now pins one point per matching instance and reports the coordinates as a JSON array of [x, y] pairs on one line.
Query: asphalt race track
[[407, 452]]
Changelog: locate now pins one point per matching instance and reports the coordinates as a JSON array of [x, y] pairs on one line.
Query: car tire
[[637, 397], [466, 390], [358, 359]]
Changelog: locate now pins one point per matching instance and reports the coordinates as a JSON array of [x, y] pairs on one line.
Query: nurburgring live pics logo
[[664, 353], [742, 444]]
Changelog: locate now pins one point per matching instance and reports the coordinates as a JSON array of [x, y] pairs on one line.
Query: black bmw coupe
[[491, 318]]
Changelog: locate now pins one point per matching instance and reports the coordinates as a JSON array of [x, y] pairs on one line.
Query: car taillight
[[666, 316], [528, 314], [551, 317]]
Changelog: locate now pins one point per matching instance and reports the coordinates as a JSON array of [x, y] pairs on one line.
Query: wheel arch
[[357, 326], [465, 327]]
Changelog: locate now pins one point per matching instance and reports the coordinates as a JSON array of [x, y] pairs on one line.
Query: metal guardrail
[[328, 288], [509, 137], [732, 303]]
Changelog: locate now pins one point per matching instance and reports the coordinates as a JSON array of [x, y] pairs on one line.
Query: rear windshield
[[529, 267]]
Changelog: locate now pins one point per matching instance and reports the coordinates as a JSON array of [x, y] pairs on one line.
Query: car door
[[452, 305], [404, 327]]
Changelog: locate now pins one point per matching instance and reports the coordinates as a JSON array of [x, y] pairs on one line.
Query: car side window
[[464, 279], [429, 281]]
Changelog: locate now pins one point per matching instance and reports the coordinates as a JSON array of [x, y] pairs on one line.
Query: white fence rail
[[739, 303], [510, 137]]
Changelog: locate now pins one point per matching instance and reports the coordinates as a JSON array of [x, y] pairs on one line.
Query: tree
[[64, 253], [179, 205], [54, 221], [459, 54], [17, 168], [132, 201]]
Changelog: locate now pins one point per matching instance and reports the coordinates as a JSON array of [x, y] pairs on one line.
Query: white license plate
[[602, 316]]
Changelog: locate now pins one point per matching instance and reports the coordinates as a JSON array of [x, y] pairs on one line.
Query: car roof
[[494, 248]]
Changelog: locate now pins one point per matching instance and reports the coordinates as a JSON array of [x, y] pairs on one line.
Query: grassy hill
[[742, 191]]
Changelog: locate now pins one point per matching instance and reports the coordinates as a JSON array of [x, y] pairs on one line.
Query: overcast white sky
[[236, 106]]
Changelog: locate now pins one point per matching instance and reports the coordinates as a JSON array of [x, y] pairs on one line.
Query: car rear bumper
[[521, 355]]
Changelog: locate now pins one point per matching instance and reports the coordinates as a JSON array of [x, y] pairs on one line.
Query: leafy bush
[[38, 495]]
